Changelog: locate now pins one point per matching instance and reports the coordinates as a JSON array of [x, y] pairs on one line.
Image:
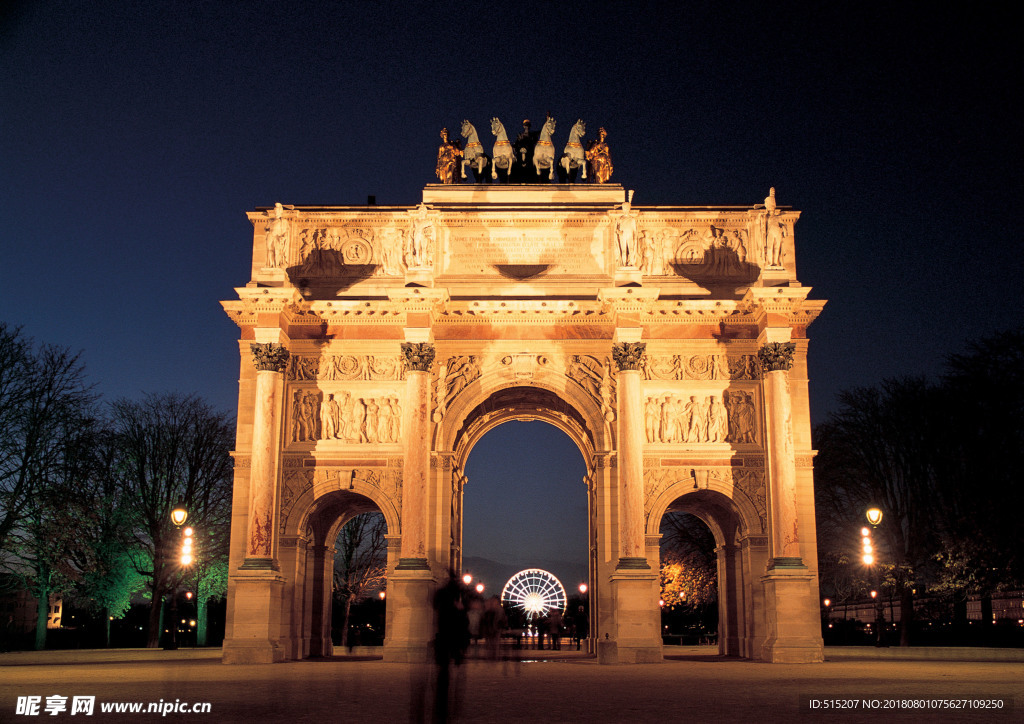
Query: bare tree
[[174, 449], [360, 565], [879, 448], [44, 405]]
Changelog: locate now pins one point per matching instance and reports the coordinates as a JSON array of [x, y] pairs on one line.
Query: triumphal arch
[[380, 343]]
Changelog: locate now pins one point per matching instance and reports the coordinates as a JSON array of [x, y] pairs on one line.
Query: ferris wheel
[[535, 592]]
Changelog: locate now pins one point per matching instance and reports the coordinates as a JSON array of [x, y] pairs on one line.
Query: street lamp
[[179, 515], [874, 517], [467, 579], [583, 588]]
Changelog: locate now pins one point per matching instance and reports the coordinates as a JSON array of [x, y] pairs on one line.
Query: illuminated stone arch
[[483, 305]]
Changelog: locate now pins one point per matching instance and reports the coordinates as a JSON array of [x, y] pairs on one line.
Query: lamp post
[[874, 517], [179, 514]]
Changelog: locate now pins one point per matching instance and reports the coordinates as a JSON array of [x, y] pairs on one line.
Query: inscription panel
[[523, 253]]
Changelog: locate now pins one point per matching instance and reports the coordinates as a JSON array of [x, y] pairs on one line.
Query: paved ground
[[690, 684]]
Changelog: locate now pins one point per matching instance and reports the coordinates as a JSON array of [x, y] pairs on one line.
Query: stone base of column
[[254, 636], [792, 619], [411, 626], [637, 635]]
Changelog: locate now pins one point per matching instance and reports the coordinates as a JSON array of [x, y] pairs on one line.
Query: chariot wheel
[[535, 592]]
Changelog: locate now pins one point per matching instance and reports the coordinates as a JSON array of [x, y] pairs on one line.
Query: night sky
[[134, 136]]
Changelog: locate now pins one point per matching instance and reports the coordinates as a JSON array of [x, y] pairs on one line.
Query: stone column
[[792, 623], [634, 590], [270, 361], [776, 360], [411, 585], [629, 357], [416, 470], [256, 588]]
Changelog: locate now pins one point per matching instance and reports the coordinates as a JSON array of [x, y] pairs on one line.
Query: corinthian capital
[[269, 357], [776, 356], [629, 355], [418, 356]]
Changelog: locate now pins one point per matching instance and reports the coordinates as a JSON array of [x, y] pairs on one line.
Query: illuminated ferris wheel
[[535, 592]]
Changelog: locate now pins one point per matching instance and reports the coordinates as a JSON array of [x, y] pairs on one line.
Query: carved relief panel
[[352, 416], [699, 418]]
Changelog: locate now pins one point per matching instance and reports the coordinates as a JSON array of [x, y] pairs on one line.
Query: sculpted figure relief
[[345, 418], [453, 374], [770, 232], [600, 158], [626, 235], [711, 419], [594, 376], [448, 154], [420, 251], [277, 239]]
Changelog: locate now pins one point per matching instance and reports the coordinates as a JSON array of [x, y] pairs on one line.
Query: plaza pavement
[[692, 684]]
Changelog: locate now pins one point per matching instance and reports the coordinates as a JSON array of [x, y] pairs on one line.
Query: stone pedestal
[[411, 627], [637, 635], [255, 635], [628, 276], [793, 622]]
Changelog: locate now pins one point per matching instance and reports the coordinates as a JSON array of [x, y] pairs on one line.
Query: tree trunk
[[344, 621], [202, 609], [42, 615], [906, 614], [156, 611], [106, 625]]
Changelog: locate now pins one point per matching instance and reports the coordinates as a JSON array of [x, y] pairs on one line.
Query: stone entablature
[[541, 236]]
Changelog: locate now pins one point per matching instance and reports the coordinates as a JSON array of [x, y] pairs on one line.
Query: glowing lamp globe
[[179, 514]]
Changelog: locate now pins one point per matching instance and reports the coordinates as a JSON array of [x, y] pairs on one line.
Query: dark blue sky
[[134, 137]]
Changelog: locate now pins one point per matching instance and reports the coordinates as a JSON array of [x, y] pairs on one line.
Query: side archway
[[741, 550]]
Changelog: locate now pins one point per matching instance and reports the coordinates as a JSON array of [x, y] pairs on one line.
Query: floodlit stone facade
[[379, 343]]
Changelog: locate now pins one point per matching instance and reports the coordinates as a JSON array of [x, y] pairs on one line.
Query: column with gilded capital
[[418, 357], [411, 583], [776, 360], [270, 361], [254, 633], [628, 358], [636, 627], [792, 623]]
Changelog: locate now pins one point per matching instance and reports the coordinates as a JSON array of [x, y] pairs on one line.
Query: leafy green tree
[[103, 555], [173, 449]]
